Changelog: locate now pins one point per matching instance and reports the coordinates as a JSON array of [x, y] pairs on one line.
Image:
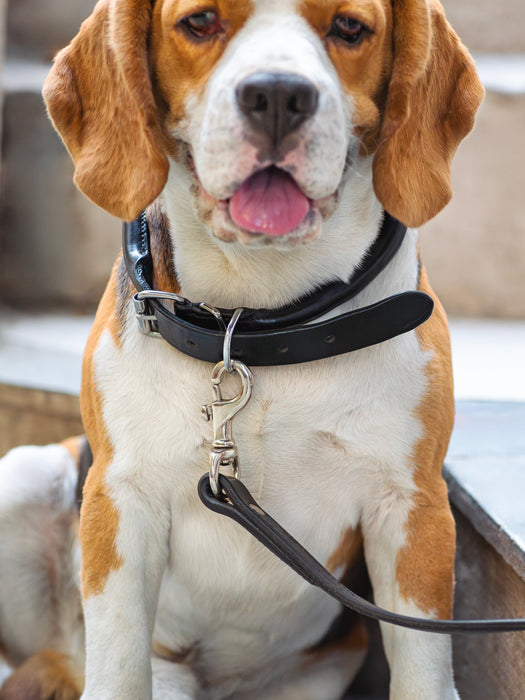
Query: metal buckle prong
[[162, 296], [214, 312], [148, 323]]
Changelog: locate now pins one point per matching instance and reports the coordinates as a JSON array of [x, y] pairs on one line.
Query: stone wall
[[488, 26], [2, 47], [57, 248], [38, 29], [475, 249], [36, 417]]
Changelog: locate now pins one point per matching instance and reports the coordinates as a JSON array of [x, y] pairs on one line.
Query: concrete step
[[40, 358], [40, 363], [485, 470]]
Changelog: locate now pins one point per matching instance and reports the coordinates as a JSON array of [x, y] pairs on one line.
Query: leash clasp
[[221, 412]]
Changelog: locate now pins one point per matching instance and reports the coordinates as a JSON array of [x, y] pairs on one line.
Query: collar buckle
[[145, 312]]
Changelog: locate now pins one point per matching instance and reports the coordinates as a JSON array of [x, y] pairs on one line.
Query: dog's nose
[[277, 103]]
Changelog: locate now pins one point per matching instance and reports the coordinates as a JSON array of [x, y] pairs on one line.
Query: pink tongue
[[269, 202]]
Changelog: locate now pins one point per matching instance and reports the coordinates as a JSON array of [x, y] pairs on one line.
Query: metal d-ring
[[226, 350], [221, 411]]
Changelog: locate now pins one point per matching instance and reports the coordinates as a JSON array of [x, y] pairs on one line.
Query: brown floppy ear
[[100, 99], [433, 95]]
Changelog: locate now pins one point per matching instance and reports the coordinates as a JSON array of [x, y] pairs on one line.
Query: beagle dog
[[265, 139]]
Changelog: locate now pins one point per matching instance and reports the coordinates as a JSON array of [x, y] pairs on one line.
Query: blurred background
[[56, 251], [56, 248]]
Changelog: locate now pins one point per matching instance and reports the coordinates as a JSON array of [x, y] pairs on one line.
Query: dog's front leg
[[124, 538], [410, 557]]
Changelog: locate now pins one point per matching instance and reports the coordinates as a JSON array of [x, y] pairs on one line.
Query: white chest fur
[[321, 445]]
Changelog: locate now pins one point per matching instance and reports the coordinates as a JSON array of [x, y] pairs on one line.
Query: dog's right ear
[[100, 99]]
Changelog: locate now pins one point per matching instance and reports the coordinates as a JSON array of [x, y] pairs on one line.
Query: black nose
[[277, 103]]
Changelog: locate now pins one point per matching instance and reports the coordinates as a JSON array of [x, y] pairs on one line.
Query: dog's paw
[[44, 676]]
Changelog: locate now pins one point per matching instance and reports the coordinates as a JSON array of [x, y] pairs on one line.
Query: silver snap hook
[[221, 412]]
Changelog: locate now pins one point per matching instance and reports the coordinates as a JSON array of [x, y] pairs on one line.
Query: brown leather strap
[[236, 502]]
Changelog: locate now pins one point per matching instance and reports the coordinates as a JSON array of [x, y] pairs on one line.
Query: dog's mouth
[[269, 202], [268, 208]]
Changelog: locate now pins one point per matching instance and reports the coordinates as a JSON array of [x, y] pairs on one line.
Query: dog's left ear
[[433, 95], [100, 98]]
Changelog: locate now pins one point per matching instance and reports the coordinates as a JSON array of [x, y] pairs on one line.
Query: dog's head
[[267, 104]]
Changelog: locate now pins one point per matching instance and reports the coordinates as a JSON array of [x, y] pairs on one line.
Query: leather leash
[[235, 501], [265, 338]]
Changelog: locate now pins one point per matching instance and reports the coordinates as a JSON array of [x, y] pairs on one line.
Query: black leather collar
[[266, 337]]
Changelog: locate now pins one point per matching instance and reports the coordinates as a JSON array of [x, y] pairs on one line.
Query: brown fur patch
[[125, 291], [363, 69], [99, 519], [348, 551], [79, 449], [176, 656], [47, 675], [164, 277], [183, 65], [425, 566], [354, 638]]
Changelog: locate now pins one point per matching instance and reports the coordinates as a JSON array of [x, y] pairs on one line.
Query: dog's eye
[[203, 24], [349, 30]]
